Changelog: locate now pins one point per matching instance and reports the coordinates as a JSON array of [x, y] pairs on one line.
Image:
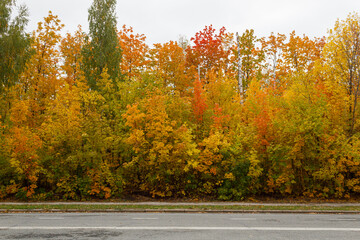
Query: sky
[[165, 20]]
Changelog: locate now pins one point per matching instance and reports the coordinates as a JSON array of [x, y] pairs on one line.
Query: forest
[[227, 116]]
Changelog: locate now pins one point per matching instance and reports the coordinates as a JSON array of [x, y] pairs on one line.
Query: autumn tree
[[169, 64], [24, 145], [273, 47], [199, 101], [102, 49], [35, 92], [300, 53], [209, 52], [342, 55], [71, 128], [41, 78], [100, 142], [134, 52], [302, 121], [222, 99], [215, 138], [251, 57], [163, 148], [70, 48], [289, 56]]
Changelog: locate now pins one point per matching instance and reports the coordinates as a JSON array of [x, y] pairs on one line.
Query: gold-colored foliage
[[219, 118]]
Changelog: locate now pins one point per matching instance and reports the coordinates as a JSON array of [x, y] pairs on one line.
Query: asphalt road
[[178, 226]]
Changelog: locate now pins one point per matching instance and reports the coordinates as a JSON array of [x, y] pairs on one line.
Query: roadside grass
[[99, 207]]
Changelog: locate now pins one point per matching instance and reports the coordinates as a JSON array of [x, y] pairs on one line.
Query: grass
[[99, 207]]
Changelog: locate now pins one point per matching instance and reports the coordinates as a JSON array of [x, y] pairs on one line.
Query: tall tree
[[251, 57], [102, 49], [342, 55], [273, 47], [14, 51], [36, 91], [14, 43], [42, 78]]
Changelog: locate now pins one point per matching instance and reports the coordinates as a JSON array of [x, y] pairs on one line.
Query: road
[[178, 226]]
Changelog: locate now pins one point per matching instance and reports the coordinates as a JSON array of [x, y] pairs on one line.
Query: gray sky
[[164, 20]]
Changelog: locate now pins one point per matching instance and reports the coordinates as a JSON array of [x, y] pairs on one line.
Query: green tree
[[14, 43], [102, 49]]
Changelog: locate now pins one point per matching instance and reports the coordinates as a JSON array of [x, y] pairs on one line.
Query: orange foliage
[[220, 120], [134, 52], [169, 64], [209, 51], [177, 124], [199, 101], [24, 158], [71, 52]]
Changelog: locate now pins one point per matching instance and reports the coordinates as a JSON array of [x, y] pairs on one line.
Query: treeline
[[102, 114]]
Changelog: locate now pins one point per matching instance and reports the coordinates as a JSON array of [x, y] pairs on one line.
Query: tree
[[199, 101], [210, 51], [134, 51], [36, 91], [102, 49], [24, 158], [70, 48], [14, 52], [300, 53], [41, 78], [274, 50], [163, 148], [14, 43], [169, 64], [251, 58], [342, 56]]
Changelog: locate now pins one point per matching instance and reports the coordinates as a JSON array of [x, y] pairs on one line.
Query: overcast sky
[[164, 20]]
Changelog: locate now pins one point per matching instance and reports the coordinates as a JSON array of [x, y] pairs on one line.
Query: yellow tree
[[216, 111], [300, 53], [41, 78], [100, 140], [164, 153], [341, 54], [36, 90], [339, 72], [61, 136]]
